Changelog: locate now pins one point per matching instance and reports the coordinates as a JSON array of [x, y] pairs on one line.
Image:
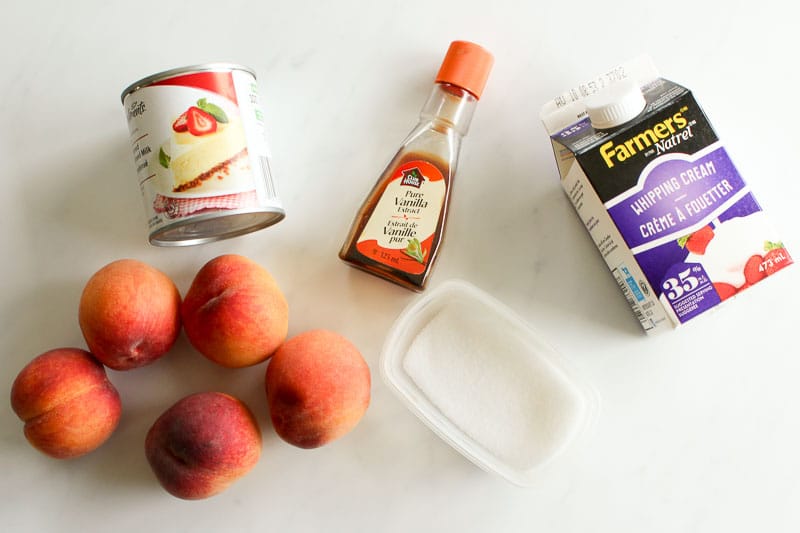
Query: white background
[[698, 429]]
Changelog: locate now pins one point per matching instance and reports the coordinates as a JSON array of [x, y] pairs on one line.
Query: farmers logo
[[612, 153]]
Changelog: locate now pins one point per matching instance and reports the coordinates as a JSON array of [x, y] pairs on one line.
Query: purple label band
[[675, 194]]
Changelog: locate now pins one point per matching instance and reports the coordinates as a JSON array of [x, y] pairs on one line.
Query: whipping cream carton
[[676, 224]]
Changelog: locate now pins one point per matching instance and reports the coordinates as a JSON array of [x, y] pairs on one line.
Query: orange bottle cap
[[466, 65]]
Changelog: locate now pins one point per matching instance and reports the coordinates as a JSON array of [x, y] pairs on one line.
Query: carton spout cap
[[615, 105]]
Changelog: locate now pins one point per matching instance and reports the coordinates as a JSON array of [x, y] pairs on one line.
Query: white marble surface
[[698, 429]]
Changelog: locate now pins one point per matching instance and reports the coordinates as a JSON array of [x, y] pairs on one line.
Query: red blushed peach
[[318, 388], [234, 313], [67, 403], [202, 444], [129, 314]]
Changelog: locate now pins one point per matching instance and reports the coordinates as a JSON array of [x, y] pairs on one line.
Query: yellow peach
[[67, 402], [318, 388], [234, 313], [129, 314]]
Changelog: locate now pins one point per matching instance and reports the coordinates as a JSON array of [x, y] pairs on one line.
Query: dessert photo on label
[[204, 162]]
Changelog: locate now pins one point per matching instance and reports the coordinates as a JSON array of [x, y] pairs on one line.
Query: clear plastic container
[[485, 382]]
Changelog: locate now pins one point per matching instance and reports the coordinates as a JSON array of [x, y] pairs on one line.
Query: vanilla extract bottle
[[398, 231]]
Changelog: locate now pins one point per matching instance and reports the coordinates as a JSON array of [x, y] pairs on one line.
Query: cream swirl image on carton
[[737, 253]]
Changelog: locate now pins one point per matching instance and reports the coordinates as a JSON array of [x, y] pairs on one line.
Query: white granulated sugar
[[484, 376]]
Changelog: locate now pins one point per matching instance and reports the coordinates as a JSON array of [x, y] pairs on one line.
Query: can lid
[[615, 105], [192, 69], [466, 65]]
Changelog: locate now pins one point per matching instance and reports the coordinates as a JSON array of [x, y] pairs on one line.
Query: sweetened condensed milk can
[[198, 141]]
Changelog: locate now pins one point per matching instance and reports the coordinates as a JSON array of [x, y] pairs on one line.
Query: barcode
[[269, 186], [626, 291]]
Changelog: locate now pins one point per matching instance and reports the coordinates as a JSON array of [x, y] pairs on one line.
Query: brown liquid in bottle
[[399, 229], [411, 266]]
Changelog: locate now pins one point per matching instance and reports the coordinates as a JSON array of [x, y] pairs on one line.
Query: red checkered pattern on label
[[183, 207]]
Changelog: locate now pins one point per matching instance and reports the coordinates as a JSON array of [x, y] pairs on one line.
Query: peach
[[318, 388], [202, 444], [234, 313], [67, 403], [129, 314]]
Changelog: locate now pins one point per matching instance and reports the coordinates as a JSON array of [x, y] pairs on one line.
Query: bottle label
[[402, 227]]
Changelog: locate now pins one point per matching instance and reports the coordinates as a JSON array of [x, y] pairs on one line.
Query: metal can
[[201, 156]]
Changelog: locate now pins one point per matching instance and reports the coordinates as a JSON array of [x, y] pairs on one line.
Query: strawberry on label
[[753, 269], [180, 124], [199, 122], [724, 290], [698, 241], [776, 258]]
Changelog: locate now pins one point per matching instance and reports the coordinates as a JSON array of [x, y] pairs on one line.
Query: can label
[[199, 146]]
